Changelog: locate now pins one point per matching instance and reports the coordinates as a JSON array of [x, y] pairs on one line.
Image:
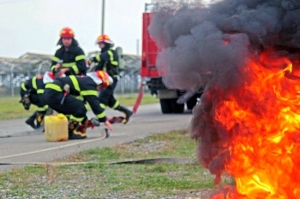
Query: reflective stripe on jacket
[[73, 59], [81, 86], [108, 61]]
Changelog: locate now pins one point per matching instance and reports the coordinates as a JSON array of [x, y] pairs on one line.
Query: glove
[[95, 121], [26, 102]]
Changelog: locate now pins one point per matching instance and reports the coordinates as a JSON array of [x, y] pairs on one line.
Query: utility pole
[[103, 16]]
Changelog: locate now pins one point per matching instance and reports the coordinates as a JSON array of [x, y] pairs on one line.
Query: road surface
[[18, 143]]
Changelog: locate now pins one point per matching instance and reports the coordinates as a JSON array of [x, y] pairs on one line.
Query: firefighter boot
[[31, 119], [39, 119], [73, 133], [126, 112], [84, 125]]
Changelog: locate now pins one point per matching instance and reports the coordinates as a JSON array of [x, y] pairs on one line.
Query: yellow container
[[56, 128]]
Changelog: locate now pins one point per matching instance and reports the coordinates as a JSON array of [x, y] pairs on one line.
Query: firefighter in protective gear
[[32, 93], [69, 59], [61, 96], [107, 60]]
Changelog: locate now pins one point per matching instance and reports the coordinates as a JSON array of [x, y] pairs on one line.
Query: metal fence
[[13, 73]]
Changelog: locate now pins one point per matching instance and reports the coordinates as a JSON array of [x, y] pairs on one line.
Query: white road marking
[[53, 148]]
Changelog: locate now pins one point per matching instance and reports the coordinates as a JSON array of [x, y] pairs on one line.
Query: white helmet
[[48, 77]]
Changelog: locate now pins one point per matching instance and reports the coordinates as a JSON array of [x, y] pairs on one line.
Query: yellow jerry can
[[56, 128]]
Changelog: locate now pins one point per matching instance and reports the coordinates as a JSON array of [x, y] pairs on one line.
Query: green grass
[[12, 109], [161, 179]]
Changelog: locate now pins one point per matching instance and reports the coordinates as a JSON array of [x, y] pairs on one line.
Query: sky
[[34, 25]]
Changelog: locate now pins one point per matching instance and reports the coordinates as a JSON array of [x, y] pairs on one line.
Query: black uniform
[[108, 61], [74, 59], [31, 92], [78, 86], [34, 87]]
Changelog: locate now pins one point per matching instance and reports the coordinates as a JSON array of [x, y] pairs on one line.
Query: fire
[[259, 125]]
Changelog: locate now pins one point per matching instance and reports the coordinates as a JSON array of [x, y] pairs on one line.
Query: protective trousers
[[36, 119], [106, 96], [71, 106]]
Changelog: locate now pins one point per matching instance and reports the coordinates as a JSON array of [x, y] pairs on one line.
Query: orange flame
[[262, 119]]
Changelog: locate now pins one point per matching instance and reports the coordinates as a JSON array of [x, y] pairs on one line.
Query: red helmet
[[100, 78], [104, 39], [67, 33], [101, 74]]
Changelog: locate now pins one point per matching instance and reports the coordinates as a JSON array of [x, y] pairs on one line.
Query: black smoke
[[207, 46]]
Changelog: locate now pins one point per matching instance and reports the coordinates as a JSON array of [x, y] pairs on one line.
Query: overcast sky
[[34, 25]]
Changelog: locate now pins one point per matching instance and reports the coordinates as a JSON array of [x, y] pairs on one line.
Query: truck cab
[[171, 101]]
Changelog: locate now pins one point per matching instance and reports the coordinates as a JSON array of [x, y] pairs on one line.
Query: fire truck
[[171, 101]]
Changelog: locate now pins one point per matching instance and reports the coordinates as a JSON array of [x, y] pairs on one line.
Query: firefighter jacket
[[34, 86], [108, 61], [74, 59], [82, 86]]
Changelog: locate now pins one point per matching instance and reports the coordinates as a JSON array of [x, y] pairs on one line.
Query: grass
[[12, 109], [100, 180]]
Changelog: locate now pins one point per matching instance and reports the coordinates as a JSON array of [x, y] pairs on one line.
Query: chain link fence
[[15, 71]]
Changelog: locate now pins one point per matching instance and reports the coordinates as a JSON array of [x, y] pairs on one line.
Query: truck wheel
[[191, 102], [165, 105], [177, 108]]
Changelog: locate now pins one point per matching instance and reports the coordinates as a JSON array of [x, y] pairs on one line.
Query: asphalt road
[[18, 143]]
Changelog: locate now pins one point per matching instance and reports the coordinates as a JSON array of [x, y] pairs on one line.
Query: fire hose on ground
[[159, 160]]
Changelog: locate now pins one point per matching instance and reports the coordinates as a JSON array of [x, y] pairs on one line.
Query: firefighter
[[107, 60], [61, 96], [69, 59], [32, 93]]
